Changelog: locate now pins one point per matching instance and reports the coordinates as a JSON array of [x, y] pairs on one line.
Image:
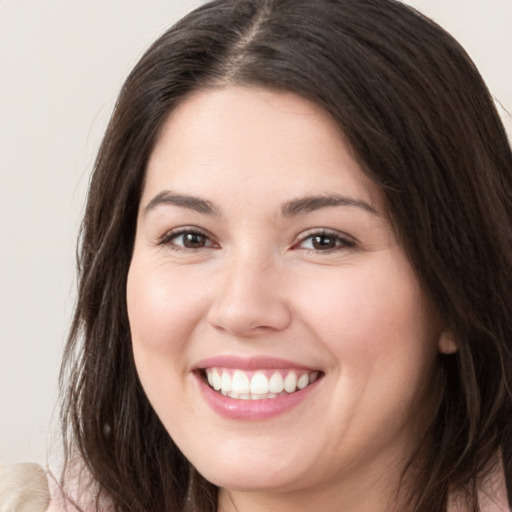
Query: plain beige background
[[62, 63]]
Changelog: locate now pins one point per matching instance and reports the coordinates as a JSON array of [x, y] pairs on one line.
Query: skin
[[256, 285]]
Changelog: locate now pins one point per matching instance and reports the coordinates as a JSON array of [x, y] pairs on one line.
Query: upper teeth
[[258, 384]]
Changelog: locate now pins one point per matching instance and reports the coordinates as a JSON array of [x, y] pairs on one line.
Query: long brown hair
[[424, 128]]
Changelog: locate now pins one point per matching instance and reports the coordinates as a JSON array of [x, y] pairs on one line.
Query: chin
[[246, 475], [249, 481]]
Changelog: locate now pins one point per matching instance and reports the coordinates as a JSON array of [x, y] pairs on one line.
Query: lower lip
[[252, 410]]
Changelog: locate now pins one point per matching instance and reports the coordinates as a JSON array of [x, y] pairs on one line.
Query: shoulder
[[28, 487], [74, 490], [492, 494], [23, 487]]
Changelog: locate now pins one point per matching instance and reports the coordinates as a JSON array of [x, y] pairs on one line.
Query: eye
[[325, 241], [187, 238]]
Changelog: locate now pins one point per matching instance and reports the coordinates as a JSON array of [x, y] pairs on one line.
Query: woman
[[295, 272]]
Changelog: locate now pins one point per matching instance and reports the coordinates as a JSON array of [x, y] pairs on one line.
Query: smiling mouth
[[258, 384]]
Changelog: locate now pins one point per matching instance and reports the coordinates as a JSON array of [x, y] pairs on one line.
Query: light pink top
[[71, 498], [494, 500], [30, 488]]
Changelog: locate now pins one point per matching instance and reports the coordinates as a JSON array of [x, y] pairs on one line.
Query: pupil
[[193, 240], [323, 242]]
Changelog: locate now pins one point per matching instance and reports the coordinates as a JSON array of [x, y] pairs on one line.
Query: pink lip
[[251, 410], [251, 363]]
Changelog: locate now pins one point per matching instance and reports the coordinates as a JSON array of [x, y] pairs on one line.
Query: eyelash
[[169, 238], [341, 241]]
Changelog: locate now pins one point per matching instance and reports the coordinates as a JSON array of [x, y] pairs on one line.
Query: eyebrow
[[311, 203], [191, 202], [289, 209]]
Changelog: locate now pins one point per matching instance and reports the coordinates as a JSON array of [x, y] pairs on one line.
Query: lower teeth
[[243, 396]]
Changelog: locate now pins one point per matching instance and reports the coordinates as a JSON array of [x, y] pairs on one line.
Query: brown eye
[[193, 240], [187, 239], [323, 242]]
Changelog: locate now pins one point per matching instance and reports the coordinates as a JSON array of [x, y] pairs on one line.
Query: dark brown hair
[[424, 128]]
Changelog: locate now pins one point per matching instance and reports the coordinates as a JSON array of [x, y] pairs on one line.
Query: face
[[278, 328]]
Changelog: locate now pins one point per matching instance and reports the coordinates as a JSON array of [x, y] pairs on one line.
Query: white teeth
[[303, 381], [276, 384], [259, 384], [238, 384], [290, 382], [217, 384], [226, 382]]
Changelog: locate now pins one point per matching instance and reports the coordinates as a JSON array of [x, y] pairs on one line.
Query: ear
[[447, 343]]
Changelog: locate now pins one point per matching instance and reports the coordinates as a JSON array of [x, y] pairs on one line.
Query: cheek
[[164, 312], [164, 307], [372, 320], [381, 336]]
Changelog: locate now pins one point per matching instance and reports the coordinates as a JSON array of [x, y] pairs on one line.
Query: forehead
[[240, 138]]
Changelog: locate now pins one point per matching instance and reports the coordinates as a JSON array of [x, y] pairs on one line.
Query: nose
[[251, 299]]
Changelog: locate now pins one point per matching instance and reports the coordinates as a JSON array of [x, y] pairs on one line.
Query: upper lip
[[250, 363]]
